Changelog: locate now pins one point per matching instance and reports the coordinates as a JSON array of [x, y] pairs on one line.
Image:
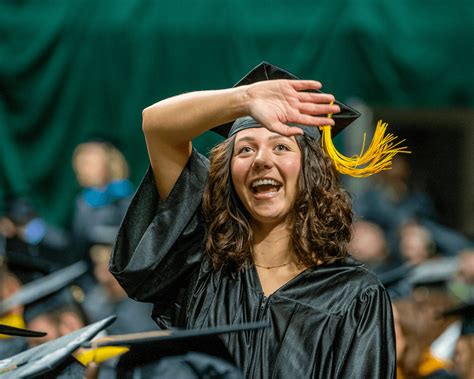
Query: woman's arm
[[171, 124]]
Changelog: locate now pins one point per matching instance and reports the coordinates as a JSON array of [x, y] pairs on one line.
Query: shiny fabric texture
[[331, 321]]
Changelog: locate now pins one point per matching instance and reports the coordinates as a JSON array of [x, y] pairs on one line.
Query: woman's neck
[[272, 245]]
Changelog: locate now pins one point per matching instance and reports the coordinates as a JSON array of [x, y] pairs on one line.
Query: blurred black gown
[[331, 321]]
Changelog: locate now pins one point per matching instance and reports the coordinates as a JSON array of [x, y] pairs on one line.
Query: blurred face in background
[[416, 243], [368, 243], [43, 323], [465, 270], [90, 163], [100, 255]]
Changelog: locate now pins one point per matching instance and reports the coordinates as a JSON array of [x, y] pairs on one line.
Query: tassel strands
[[376, 158]]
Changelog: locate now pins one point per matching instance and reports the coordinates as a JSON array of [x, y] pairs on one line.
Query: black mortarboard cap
[[40, 288], [8, 330], [466, 312], [268, 71], [52, 358], [149, 348], [435, 273]]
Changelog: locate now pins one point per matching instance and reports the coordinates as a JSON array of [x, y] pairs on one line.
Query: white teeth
[[262, 182]]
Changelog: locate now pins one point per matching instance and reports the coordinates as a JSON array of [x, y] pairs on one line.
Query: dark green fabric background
[[75, 69]]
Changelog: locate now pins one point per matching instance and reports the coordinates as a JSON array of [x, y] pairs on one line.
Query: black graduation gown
[[333, 321]]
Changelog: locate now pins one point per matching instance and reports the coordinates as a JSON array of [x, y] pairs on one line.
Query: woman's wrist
[[241, 102]]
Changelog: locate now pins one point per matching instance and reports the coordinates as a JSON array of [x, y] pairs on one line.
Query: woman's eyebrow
[[278, 136], [244, 139], [272, 137]]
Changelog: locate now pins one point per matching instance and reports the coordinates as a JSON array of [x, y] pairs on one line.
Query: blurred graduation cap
[[466, 312], [200, 348], [39, 289], [52, 358], [376, 158], [435, 274], [8, 330], [267, 71]]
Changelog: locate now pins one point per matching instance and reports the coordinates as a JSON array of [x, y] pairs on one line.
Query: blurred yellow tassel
[[99, 354], [14, 320], [376, 158]]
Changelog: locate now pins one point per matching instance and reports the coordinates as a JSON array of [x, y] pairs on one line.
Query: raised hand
[[276, 103]]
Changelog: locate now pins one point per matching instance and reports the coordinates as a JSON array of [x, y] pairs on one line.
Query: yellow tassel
[[376, 158], [99, 354], [14, 320]]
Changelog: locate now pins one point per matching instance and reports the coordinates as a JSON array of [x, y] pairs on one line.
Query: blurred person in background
[[463, 357], [9, 284], [108, 297], [466, 266], [392, 201], [102, 172], [463, 360], [416, 243], [369, 246], [416, 328], [30, 241], [58, 315]]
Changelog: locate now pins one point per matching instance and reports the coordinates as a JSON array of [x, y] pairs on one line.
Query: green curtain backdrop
[[75, 69]]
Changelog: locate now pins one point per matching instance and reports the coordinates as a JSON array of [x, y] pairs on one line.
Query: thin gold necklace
[[269, 267]]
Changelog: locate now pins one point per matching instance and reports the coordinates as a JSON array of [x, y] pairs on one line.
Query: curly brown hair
[[320, 222]]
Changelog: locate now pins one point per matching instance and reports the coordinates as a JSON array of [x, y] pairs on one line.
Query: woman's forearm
[[181, 118]]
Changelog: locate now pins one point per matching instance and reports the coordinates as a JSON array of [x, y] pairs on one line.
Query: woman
[[260, 233]]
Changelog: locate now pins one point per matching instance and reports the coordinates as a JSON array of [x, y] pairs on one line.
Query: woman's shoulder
[[348, 272], [336, 287]]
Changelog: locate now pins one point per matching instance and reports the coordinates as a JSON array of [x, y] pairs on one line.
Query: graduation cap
[[8, 330], [52, 358], [466, 312], [40, 288], [267, 71], [146, 350], [434, 275], [376, 158]]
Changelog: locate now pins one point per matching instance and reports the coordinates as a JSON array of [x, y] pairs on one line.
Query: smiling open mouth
[[265, 186]]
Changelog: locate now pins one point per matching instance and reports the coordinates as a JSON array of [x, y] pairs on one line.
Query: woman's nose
[[262, 160]]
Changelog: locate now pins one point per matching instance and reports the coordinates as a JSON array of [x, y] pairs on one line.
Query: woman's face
[[265, 168]]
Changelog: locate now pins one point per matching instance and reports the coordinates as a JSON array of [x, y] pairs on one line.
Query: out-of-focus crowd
[[428, 270], [31, 249], [426, 267]]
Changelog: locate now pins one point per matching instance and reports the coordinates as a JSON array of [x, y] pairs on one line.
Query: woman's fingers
[[301, 85], [284, 129], [315, 97], [318, 109], [309, 120]]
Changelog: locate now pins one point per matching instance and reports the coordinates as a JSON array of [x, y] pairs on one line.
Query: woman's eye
[[281, 147], [244, 150]]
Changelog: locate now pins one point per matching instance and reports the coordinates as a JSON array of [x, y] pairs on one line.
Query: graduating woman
[[258, 233]]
